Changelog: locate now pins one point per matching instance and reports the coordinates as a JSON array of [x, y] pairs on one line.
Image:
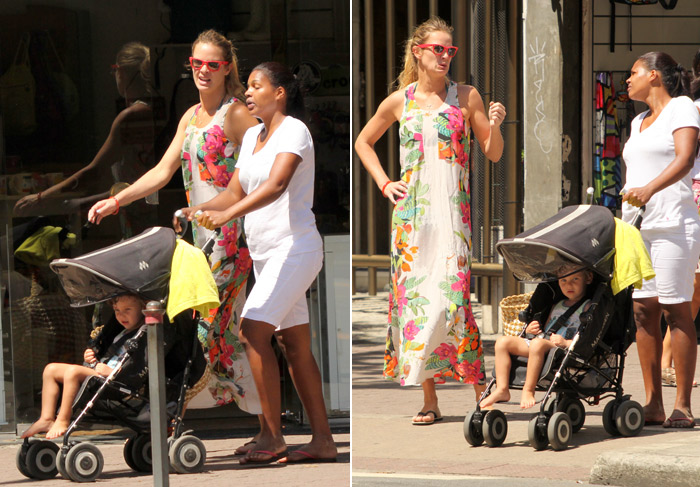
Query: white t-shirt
[[287, 224], [695, 173], [648, 153]]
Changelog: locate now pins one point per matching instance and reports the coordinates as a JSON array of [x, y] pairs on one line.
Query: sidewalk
[[221, 468], [385, 441]]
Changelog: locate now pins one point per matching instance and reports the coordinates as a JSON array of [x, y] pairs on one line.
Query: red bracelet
[[384, 187], [116, 201]]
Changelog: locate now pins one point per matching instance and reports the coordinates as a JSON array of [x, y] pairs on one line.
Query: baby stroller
[[140, 265], [592, 368]]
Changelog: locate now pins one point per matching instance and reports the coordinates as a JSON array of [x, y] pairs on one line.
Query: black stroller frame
[[591, 368], [82, 461]]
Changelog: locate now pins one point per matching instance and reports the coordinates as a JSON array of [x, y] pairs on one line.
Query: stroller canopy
[[139, 265], [581, 235]]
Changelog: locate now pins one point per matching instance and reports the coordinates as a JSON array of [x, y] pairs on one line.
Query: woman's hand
[[187, 213], [89, 356], [395, 190], [103, 369], [25, 203], [533, 328], [497, 113], [212, 219], [638, 196], [102, 209]]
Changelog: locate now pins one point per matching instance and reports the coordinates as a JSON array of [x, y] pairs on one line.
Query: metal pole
[[369, 109], [512, 157], [357, 220], [156, 390], [392, 134]]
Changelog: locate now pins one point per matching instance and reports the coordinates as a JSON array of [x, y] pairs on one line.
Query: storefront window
[[65, 86]]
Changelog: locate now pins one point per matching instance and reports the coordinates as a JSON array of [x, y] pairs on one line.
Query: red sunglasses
[[212, 65], [438, 49]]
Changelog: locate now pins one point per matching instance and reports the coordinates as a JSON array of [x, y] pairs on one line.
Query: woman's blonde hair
[[234, 86], [419, 36], [134, 57]]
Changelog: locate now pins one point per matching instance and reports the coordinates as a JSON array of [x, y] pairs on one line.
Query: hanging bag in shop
[[63, 85], [17, 93]]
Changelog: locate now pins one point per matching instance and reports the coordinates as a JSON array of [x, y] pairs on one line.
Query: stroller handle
[[637, 220], [208, 246], [184, 223]]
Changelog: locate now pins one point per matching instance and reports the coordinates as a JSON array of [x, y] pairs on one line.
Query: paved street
[[221, 468], [384, 442]]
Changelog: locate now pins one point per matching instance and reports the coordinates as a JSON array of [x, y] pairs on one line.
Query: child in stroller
[[592, 366], [128, 312], [561, 326], [144, 265]]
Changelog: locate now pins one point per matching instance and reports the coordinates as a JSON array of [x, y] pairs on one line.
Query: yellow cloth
[[43, 246], [192, 285], [632, 261]]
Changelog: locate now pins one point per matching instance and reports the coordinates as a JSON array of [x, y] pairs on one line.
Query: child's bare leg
[[505, 347], [50, 389], [538, 349], [73, 377]]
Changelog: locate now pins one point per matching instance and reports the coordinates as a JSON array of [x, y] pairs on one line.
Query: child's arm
[[103, 369], [560, 341]]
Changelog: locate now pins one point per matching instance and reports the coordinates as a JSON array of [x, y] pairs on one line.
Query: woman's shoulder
[[292, 126], [134, 113], [682, 108]]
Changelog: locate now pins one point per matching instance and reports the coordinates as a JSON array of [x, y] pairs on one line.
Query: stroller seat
[[141, 265], [592, 367]]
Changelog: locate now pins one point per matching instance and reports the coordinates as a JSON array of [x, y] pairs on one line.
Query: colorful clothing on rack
[[432, 332], [607, 175]]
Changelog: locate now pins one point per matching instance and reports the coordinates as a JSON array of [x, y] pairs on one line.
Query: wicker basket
[[199, 385], [511, 306]]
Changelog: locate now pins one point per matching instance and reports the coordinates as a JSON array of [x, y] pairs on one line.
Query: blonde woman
[[206, 148], [433, 335]]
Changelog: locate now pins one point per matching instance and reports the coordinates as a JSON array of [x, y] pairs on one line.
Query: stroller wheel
[[84, 462], [559, 431], [537, 433], [473, 428], [141, 453], [41, 460], [495, 428], [573, 407], [609, 419], [629, 418], [21, 457], [129, 454], [187, 455], [61, 463]]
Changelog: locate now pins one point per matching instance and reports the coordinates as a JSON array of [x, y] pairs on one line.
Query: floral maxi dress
[[432, 333], [208, 162]]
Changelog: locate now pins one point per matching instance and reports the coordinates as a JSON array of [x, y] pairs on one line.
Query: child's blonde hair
[[419, 36]]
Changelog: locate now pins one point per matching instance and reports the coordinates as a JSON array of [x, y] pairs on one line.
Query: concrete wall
[[542, 101]]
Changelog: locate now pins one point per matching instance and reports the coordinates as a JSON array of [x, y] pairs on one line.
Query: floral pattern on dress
[[432, 332], [215, 160]]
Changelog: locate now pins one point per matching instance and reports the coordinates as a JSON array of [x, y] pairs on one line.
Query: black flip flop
[[436, 418]]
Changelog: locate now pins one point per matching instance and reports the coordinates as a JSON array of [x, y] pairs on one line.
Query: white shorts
[[674, 254], [279, 293]]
